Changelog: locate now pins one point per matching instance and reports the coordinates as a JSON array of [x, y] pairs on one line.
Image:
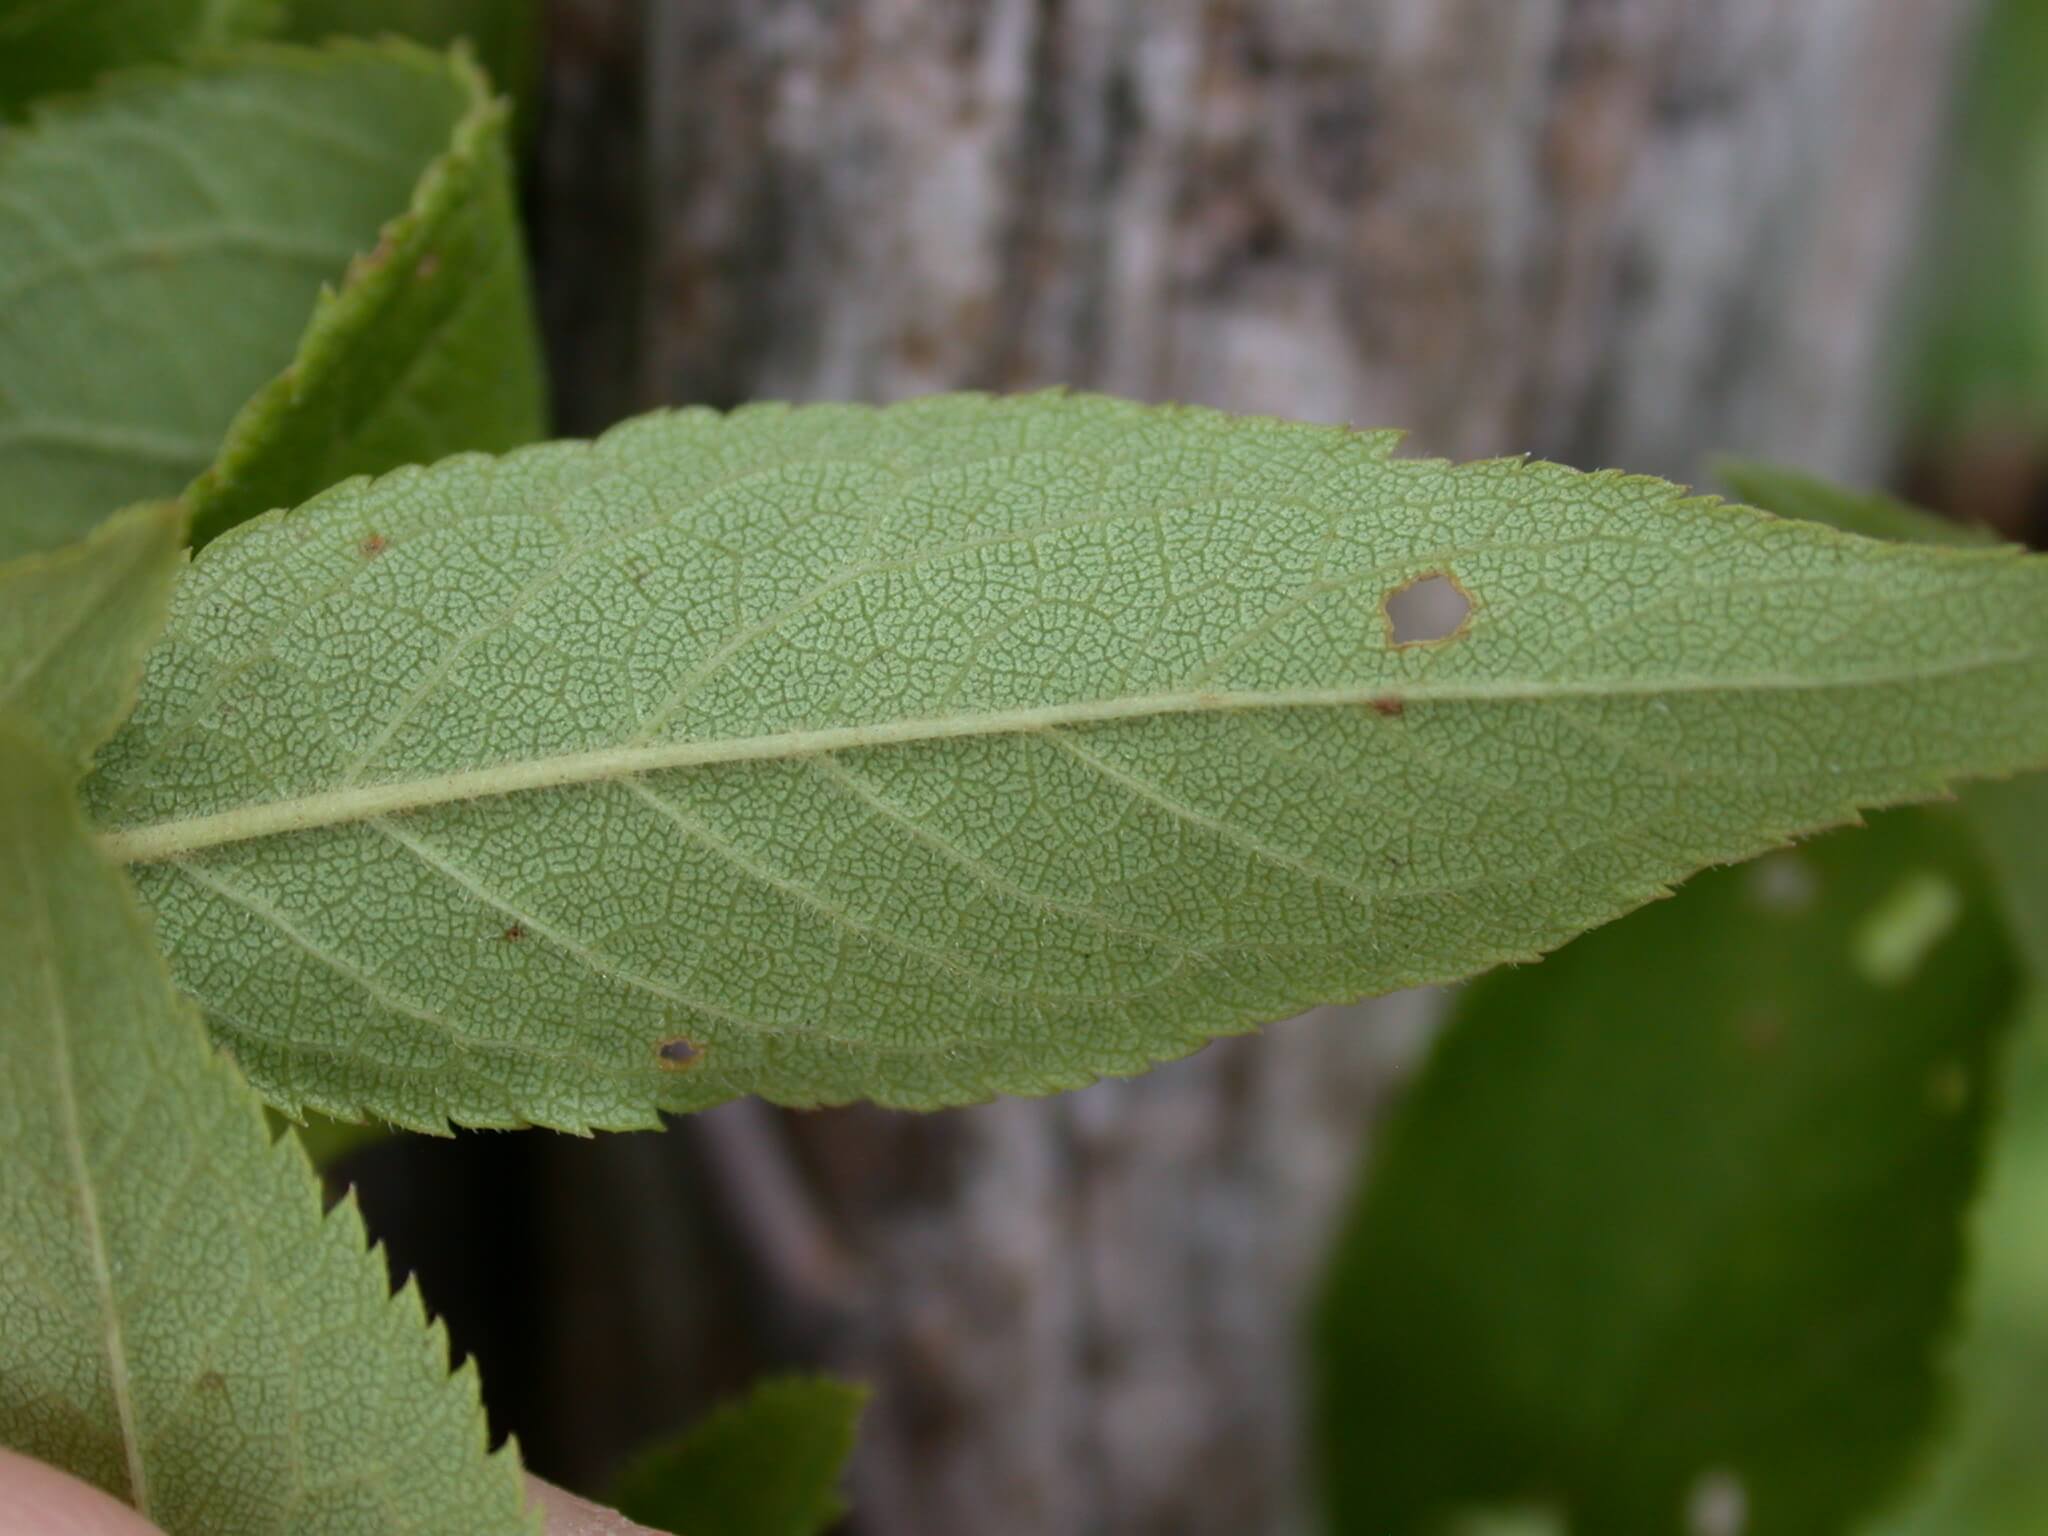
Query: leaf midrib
[[176, 838]]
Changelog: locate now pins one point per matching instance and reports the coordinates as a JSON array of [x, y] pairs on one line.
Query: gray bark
[[1610, 231]]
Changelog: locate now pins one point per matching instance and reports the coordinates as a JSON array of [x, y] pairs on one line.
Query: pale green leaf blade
[[978, 746], [767, 1464], [63, 45], [179, 1322], [1668, 1233], [164, 240], [74, 625]]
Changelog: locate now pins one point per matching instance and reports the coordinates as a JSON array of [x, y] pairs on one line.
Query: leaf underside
[[1672, 1222], [179, 1322], [977, 746], [164, 240]]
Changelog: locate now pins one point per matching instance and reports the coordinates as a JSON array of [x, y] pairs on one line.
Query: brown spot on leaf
[[374, 546], [429, 265], [213, 1381], [514, 934], [1389, 706], [678, 1054]]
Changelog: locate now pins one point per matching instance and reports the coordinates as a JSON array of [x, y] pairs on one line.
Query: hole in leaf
[[678, 1054], [1428, 609], [1717, 1506]]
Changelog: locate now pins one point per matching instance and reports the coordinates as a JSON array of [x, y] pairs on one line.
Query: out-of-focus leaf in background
[[51, 46], [765, 1465], [165, 240], [1987, 350], [1669, 1230], [1976, 377], [505, 34], [1989, 1475]]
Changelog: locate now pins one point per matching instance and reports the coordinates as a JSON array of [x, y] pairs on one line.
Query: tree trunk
[[1618, 232]]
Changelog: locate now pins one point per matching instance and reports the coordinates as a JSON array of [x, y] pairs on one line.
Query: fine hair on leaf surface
[[977, 745]]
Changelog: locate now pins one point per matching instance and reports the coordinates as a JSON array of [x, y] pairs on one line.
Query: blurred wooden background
[[1612, 232]]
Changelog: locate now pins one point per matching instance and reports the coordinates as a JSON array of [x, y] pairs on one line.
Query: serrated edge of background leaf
[[33, 563], [343, 1222], [1666, 498], [341, 313]]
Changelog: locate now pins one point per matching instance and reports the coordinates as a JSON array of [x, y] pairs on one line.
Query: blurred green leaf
[[50, 46], [505, 34], [1983, 357], [164, 241], [765, 1465], [179, 1322], [1668, 1229], [1990, 1477]]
